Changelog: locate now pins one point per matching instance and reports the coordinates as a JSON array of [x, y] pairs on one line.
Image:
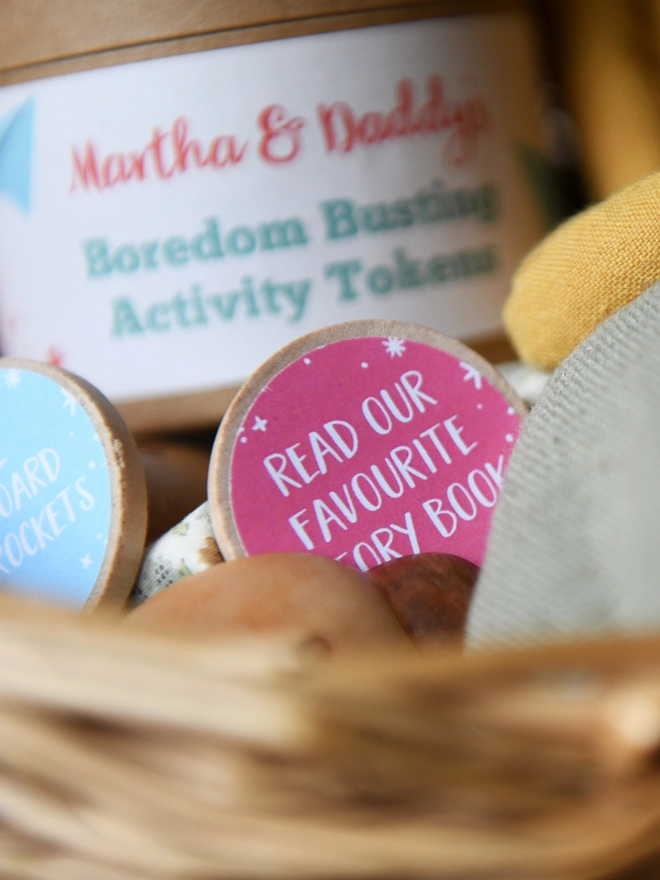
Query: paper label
[[372, 448], [166, 225], [55, 497]]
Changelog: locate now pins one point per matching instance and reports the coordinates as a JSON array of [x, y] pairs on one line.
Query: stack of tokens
[[350, 490], [377, 444]]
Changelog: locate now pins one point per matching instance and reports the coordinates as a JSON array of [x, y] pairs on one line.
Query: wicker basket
[[134, 756]]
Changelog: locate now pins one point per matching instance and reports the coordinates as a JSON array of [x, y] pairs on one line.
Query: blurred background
[[602, 60]]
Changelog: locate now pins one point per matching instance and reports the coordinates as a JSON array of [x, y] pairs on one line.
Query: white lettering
[[455, 434], [299, 528], [278, 474]]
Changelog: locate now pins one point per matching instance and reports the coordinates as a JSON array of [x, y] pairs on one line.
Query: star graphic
[[69, 401], [86, 561], [394, 346], [471, 374], [13, 378], [259, 424]]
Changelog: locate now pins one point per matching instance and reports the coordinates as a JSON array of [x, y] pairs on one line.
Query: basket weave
[[126, 756]]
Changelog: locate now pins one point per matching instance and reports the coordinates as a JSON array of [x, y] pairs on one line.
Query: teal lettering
[[189, 312], [241, 241], [375, 218], [149, 249], [410, 274], [380, 280], [488, 203], [102, 259], [98, 260], [282, 234], [125, 320], [409, 271], [297, 295], [198, 315], [486, 259], [339, 219], [344, 273], [294, 294], [175, 251], [269, 291], [438, 269], [126, 259], [401, 214], [206, 245], [432, 204]]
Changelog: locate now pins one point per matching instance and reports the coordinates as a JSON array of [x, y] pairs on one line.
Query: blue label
[[55, 498]]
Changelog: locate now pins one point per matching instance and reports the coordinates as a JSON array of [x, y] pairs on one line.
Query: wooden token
[[321, 603], [72, 490], [430, 594], [364, 442]]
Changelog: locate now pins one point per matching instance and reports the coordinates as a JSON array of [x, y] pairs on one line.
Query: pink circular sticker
[[370, 448]]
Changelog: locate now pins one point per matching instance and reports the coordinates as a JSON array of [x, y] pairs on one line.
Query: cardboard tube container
[[186, 187]]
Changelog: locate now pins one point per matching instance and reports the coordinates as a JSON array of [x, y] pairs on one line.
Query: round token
[[430, 593], [364, 442], [72, 489]]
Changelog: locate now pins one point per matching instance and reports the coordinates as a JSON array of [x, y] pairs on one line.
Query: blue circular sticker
[[55, 493]]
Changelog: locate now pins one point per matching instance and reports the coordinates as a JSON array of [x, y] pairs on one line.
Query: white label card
[[167, 225]]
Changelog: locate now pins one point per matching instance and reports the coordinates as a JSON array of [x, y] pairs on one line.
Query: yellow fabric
[[583, 272]]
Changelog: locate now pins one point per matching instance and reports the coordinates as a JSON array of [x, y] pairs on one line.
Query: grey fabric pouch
[[575, 544]]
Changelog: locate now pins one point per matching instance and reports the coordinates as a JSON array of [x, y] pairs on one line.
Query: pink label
[[372, 448]]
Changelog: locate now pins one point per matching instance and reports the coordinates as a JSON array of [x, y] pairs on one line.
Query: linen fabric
[[575, 543], [583, 272]]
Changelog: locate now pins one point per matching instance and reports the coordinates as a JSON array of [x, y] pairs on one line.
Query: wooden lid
[[72, 490], [36, 33], [315, 400]]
